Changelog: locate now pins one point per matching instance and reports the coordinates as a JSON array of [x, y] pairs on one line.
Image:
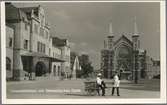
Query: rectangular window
[[38, 46], [41, 31], [59, 72], [23, 19], [36, 28], [26, 26], [54, 70], [25, 44], [43, 48], [47, 34], [42, 20], [49, 51], [10, 42]]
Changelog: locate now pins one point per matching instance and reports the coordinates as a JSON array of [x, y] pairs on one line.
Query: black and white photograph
[[83, 52]]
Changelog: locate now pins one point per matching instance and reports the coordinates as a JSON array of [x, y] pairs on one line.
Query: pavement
[[53, 89]]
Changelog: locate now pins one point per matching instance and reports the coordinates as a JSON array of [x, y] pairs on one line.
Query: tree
[[86, 69]]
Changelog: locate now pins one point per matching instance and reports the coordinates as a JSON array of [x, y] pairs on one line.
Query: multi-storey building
[[55, 54], [33, 52], [64, 46]]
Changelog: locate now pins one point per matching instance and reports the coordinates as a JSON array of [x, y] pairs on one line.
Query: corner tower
[[110, 37], [135, 37], [136, 48], [110, 55]]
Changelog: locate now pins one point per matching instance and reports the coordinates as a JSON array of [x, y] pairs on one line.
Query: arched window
[[8, 64]]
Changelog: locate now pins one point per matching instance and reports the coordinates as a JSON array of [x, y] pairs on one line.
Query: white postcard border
[[162, 98]]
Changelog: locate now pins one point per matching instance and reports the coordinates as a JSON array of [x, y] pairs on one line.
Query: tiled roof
[[14, 14]]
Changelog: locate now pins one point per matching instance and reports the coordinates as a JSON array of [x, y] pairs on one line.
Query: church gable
[[123, 40]]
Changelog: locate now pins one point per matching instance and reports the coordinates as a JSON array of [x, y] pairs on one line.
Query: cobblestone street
[[52, 89]]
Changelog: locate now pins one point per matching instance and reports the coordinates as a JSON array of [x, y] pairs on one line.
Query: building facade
[[33, 52], [9, 51], [152, 68], [124, 56], [64, 47]]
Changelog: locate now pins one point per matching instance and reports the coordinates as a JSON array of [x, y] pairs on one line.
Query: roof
[[14, 14], [58, 42], [29, 9], [124, 37]]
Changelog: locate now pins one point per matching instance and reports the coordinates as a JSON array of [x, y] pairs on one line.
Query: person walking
[[100, 85], [116, 84]]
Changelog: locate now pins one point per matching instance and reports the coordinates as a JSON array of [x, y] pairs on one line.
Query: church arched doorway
[[40, 69], [124, 62]]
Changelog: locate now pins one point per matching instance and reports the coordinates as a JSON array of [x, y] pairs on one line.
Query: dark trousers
[[113, 89], [102, 88]]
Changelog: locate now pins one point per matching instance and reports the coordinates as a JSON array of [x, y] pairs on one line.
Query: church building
[[124, 56]]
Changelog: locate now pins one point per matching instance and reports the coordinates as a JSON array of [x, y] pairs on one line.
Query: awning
[[35, 54], [55, 59], [126, 72]]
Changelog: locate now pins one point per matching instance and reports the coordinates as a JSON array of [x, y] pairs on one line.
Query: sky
[[86, 25]]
